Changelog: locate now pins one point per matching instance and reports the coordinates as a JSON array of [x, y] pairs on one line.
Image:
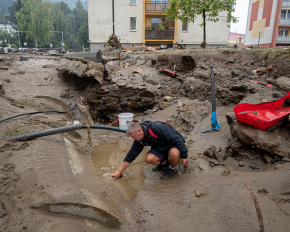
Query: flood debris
[[112, 44], [258, 209]]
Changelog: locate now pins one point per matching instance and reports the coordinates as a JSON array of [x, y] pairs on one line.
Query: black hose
[[59, 130], [38, 112]]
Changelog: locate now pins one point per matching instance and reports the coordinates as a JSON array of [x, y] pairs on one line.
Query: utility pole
[[19, 36], [113, 16], [259, 38]]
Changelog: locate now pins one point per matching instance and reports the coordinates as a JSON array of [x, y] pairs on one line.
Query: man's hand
[[116, 174], [184, 161]]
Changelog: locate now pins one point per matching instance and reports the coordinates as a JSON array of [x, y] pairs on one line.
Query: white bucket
[[124, 120]]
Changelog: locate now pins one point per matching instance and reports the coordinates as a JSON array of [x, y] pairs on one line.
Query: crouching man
[[167, 147]]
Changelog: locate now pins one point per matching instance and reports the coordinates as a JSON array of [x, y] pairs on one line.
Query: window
[[283, 32], [133, 2], [184, 27], [283, 14], [133, 24], [155, 22]]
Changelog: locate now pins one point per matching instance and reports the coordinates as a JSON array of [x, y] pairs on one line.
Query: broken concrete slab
[[82, 204], [283, 83], [274, 143]]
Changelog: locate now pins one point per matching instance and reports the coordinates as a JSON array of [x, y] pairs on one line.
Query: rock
[[269, 67], [261, 73], [23, 58], [168, 99], [241, 164], [261, 69], [167, 79], [211, 163], [197, 193], [273, 143], [244, 76], [180, 104], [2, 91], [53, 53], [164, 105], [138, 70], [7, 80], [262, 191], [235, 72], [66, 95], [254, 166], [225, 173], [231, 61], [277, 95], [204, 67], [246, 63], [283, 83], [151, 81], [3, 68], [252, 62], [267, 159], [220, 156], [20, 71], [285, 159], [150, 49], [48, 66], [115, 123], [103, 89]]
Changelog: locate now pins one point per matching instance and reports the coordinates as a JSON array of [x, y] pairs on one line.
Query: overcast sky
[[242, 13]]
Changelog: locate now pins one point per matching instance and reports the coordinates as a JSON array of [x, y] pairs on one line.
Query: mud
[[62, 182]]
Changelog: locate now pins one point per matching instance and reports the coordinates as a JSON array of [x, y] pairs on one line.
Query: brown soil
[[43, 171]]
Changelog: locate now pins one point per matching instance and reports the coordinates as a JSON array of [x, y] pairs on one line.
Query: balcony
[[282, 39], [286, 3], [159, 35], [284, 22], [156, 7]]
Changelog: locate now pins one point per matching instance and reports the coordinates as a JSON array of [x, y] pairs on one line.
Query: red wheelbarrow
[[262, 115]]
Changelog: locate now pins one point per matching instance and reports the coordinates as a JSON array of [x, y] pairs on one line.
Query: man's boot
[[161, 167]]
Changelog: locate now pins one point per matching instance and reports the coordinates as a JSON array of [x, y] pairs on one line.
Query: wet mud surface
[[62, 182]]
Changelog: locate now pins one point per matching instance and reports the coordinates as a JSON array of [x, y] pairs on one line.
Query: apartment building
[[143, 22], [268, 23]]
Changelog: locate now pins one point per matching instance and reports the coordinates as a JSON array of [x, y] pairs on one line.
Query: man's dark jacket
[[168, 137]]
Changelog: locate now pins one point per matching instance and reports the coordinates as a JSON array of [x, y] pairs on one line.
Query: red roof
[[234, 36]]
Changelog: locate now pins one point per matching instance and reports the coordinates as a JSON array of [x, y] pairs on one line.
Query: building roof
[[234, 36], [10, 23]]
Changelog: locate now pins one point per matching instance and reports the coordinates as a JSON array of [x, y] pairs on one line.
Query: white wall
[[100, 20], [216, 33]]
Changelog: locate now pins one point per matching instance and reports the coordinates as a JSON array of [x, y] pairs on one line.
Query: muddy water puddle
[[107, 159]]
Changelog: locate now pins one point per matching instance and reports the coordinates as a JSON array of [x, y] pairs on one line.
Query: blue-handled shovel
[[214, 123]]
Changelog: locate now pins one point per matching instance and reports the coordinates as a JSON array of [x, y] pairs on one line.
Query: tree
[[36, 18], [16, 6], [7, 37], [210, 10], [1, 15], [83, 34]]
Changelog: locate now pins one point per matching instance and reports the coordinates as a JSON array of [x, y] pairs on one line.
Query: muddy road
[[62, 182]]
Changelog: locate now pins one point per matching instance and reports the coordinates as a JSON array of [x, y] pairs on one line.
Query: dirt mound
[[112, 44]]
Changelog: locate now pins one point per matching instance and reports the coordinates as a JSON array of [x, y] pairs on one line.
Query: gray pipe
[[59, 130]]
